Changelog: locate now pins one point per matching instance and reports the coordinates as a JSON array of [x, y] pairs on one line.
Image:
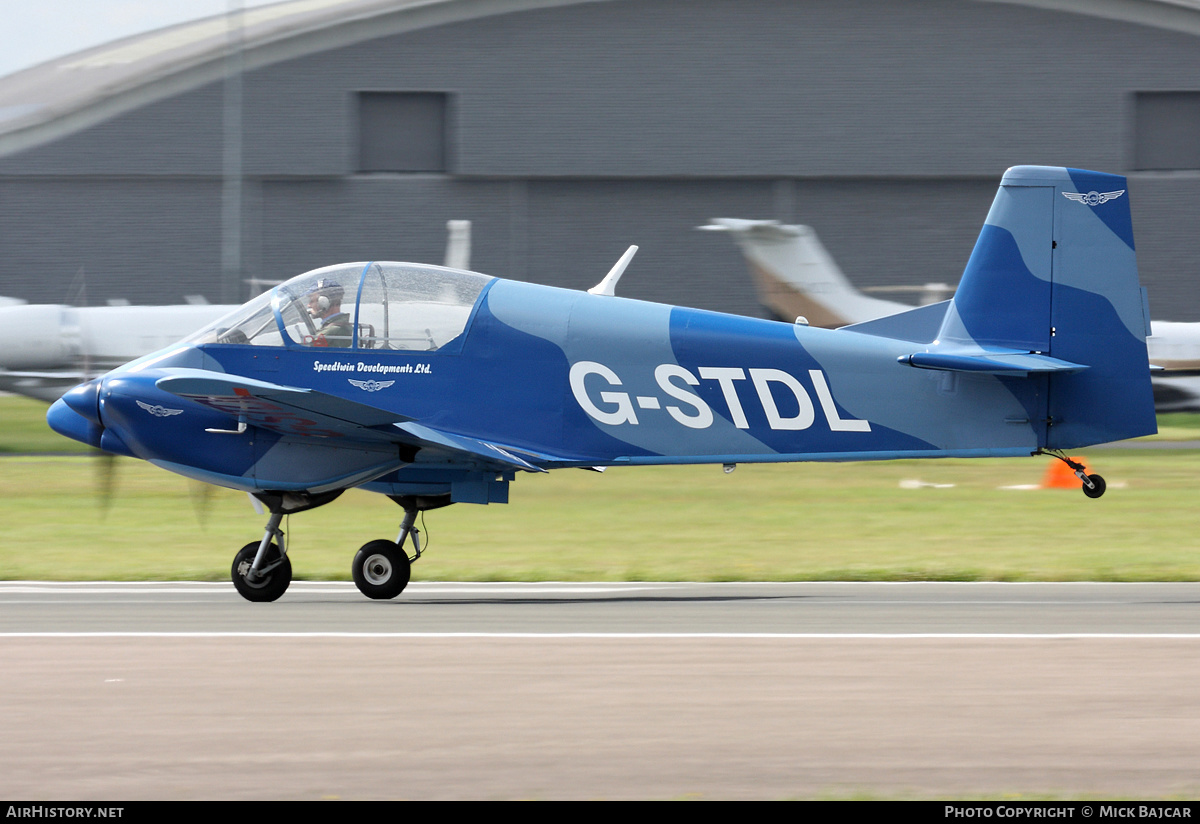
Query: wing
[[427, 437], [293, 411]]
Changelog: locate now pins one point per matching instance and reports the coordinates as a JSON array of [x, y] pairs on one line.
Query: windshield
[[406, 306], [253, 322], [398, 306]]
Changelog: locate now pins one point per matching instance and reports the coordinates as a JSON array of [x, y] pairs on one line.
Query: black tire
[[270, 586], [1097, 490], [381, 570]]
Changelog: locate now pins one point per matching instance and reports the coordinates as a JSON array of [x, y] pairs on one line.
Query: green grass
[[1178, 426], [782, 522], [23, 428]]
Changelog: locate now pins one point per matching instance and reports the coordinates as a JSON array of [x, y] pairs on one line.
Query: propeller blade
[[202, 497], [106, 478]]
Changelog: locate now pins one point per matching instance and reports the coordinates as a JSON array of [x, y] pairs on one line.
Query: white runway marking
[[818, 636]]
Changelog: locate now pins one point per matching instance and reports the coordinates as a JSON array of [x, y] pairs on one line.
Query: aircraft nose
[[66, 421], [84, 400]]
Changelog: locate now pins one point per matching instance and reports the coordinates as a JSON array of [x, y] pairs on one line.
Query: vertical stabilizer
[[1054, 272]]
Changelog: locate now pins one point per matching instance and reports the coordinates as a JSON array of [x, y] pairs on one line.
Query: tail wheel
[[1096, 489], [266, 587], [381, 570]]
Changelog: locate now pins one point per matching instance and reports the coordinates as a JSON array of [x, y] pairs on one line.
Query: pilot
[[325, 307]]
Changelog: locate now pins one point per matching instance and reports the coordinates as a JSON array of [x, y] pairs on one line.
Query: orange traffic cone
[[1060, 476]]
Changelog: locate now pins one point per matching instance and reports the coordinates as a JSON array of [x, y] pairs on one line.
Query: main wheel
[[1097, 489], [381, 570], [268, 587]]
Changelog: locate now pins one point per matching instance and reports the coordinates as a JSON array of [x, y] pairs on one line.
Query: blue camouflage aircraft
[[437, 386]]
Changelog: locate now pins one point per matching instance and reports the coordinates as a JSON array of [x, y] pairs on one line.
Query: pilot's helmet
[[329, 290]]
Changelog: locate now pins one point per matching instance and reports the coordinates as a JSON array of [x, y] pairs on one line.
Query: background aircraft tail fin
[[795, 275], [1054, 272]]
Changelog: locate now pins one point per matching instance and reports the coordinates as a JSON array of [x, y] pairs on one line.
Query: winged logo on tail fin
[[1093, 198]]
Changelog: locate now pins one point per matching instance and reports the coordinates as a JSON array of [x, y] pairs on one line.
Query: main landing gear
[[382, 568], [261, 570], [1093, 485]]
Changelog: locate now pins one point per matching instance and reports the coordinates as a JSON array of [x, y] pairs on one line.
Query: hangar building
[[333, 130]]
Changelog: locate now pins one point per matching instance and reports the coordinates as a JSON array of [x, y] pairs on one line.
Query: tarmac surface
[[811, 690]]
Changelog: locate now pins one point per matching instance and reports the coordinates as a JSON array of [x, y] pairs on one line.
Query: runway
[[128, 691], [602, 608]]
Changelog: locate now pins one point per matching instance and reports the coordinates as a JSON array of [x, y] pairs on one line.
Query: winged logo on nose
[[159, 411]]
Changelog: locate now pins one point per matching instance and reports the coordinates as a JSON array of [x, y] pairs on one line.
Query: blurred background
[[250, 140]]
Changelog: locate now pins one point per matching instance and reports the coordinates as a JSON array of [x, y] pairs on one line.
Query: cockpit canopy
[[396, 306]]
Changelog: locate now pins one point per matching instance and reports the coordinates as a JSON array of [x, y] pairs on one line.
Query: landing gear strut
[[382, 568], [1093, 485], [261, 570]]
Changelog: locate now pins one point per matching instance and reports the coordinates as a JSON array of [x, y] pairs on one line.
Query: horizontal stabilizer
[[1017, 364], [768, 229]]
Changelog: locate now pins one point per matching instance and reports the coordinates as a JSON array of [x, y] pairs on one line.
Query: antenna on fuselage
[[609, 284]]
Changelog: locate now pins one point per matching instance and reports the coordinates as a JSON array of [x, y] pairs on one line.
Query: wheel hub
[[256, 580], [377, 570]]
